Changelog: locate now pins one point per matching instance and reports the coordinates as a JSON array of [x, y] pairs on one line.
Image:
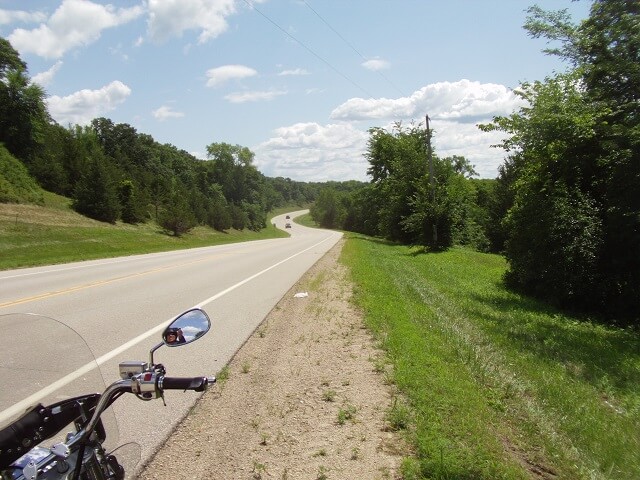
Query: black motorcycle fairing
[[43, 422], [21, 435]]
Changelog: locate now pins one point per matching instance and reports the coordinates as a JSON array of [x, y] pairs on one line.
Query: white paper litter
[[301, 294]]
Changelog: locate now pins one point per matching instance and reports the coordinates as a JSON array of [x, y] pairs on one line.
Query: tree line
[[565, 207], [112, 172], [407, 201]]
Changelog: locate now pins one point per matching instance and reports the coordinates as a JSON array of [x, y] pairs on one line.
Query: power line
[[252, 6], [333, 29], [352, 47]]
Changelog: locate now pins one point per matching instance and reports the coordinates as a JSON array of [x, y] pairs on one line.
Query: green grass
[[32, 235], [499, 386], [306, 221], [16, 185]]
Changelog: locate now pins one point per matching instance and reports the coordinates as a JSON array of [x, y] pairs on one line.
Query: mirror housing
[[186, 328]]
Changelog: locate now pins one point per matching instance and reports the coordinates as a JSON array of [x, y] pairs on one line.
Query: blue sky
[[299, 82]]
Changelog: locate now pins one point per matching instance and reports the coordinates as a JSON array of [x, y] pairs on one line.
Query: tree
[[50, 166], [242, 184], [239, 218], [608, 47], [256, 217], [96, 194], [23, 114], [573, 171], [397, 162], [552, 177], [9, 59], [327, 210], [362, 207], [440, 214], [132, 211], [233, 169], [403, 203], [177, 217]]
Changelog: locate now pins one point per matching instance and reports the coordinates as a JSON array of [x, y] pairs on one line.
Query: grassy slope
[[16, 184], [498, 386], [52, 233]]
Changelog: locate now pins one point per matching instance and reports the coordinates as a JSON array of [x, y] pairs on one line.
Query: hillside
[[16, 185], [52, 232]]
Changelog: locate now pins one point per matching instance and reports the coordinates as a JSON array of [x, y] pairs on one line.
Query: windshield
[[46, 362]]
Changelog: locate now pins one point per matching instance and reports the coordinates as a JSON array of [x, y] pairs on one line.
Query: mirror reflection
[[186, 328]]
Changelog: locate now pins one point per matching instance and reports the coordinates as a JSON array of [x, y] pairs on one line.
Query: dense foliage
[[571, 182], [405, 203]]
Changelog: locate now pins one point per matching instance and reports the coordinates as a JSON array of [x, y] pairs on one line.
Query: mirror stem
[[151, 364]]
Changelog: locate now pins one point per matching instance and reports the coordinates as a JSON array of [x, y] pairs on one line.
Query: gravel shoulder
[[304, 398]]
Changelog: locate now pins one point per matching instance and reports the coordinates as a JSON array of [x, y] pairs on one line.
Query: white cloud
[[44, 78], [297, 71], [170, 18], [11, 16], [75, 23], [466, 139], [313, 152], [83, 106], [376, 64], [463, 101], [164, 112], [218, 76], [255, 96]]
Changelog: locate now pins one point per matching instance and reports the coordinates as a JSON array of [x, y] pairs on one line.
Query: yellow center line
[[101, 283]]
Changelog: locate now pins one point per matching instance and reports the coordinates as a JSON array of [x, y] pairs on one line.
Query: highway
[[119, 306]]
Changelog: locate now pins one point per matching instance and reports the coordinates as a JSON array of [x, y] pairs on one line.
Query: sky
[[298, 82]]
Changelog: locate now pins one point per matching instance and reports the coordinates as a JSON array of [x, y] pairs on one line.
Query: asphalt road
[[119, 306]]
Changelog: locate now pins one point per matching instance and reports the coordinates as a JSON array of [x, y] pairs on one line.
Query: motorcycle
[[54, 350]]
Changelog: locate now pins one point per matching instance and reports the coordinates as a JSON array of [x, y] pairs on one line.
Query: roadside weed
[[329, 395], [346, 413], [398, 417], [223, 374], [322, 473]]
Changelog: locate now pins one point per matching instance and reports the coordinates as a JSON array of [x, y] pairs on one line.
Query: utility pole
[[432, 182]]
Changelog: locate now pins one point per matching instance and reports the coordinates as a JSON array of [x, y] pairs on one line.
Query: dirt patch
[[304, 399]]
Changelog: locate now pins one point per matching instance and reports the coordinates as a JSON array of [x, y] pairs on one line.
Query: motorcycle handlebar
[[197, 384]]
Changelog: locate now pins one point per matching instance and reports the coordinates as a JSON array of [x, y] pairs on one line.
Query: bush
[[554, 245]]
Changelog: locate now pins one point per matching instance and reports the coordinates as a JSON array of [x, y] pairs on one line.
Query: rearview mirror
[[186, 328]]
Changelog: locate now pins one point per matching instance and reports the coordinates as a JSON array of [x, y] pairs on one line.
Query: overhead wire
[[352, 47], [362, 89]]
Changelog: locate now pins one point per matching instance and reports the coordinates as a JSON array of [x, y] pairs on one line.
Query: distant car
[[287, 217], [288, 225]]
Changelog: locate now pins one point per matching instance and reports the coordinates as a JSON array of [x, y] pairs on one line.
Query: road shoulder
[[305, 397]]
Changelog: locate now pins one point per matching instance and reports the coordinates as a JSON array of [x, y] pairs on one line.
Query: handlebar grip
[[197, 384]]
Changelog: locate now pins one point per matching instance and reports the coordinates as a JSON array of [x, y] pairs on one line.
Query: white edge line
[[36, 397]]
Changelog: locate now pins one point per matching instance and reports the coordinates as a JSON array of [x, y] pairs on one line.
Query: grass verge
[[499, 386]]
